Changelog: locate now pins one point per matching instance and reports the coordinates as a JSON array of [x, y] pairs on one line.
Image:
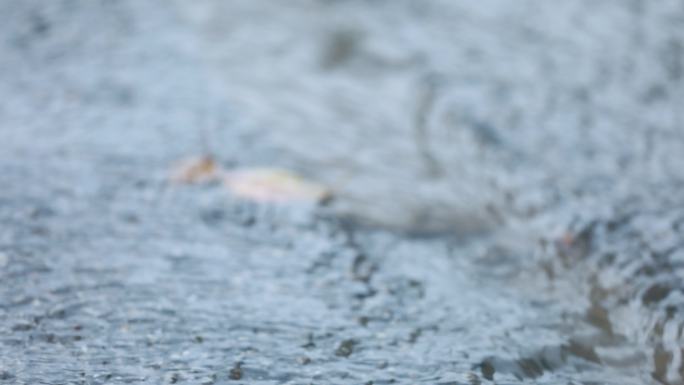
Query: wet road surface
[[508, 193]]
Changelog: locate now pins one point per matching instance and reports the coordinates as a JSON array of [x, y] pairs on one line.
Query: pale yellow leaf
[[274, 185]]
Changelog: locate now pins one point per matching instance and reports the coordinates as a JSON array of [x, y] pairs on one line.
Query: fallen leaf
[[195, 170], [274, 185]]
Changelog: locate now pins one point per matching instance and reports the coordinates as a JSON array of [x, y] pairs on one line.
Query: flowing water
[[507, 177]]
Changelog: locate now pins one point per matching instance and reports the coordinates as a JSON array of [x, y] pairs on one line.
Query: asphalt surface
[[507, 178]]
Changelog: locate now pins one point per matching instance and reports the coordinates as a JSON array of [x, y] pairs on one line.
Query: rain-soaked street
[[504, 192]]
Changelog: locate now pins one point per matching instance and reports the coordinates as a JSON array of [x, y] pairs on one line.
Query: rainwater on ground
[[507, 177]]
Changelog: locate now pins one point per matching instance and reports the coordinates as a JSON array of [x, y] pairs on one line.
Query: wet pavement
[[507, 178]]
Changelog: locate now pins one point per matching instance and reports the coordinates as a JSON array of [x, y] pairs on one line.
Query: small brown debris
[[196, 170], [567, 239], [236, 371], [487, 370]]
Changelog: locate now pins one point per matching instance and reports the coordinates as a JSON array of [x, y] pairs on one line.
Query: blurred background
[[451, 107], [491, 148]]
